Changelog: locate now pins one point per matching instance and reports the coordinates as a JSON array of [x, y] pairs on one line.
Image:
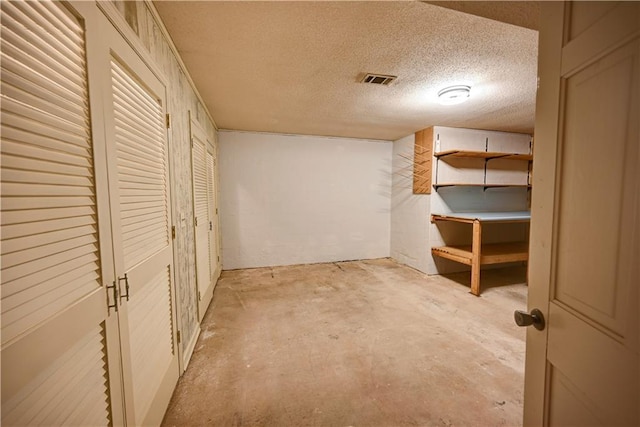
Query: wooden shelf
[[485, 186], [495, 253], [484, 155]]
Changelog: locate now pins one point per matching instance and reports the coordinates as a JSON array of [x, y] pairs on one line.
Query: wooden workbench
[[477, 254]]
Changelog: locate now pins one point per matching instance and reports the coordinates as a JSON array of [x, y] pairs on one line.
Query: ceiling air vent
[[378, 79]]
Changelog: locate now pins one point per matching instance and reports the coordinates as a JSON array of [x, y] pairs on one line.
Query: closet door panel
[[137, 154], [202, 224], [213, 218], [60, 352]]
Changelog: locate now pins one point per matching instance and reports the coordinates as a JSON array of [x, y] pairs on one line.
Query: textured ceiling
[[294, 67]]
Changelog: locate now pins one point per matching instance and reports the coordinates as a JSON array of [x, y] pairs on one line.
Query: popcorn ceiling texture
[[294, 67]]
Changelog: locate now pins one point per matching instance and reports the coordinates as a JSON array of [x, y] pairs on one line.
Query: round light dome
[[454, 94]]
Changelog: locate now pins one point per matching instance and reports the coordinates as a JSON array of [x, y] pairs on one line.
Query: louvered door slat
[[141, 206], [137, 94], [33, 215], [13, 72], [82, 274], [27, 164], [134, 147], [41, 135], [51, 276], [32, 241], [26, 117], [151, 351], [44, 66], [146, 111], [29, 41], [133, 127], [44, 226], [139, 136], [142, 219], [200, 180], [128, 170], [128, 161], [43, 250], [140, 209], [24, 143], [12, 87], [31, 177], [31, 405], [65, 36], [141, 182]]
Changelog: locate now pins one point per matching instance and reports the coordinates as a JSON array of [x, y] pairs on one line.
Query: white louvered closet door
[[138, 162], [57, 332], [201, 220], [213, 217]]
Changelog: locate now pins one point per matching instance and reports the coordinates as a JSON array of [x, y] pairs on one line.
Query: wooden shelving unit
[[477, 254], [485, 186], [487, 156], [484, 155], [495, 253]]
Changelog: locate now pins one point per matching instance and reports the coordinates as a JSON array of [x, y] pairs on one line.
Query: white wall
[[292, 199], [409, 212]]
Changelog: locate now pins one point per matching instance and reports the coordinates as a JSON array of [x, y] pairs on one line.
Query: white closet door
[[57, 333], [214, 256], [140, 202], [201, 220]]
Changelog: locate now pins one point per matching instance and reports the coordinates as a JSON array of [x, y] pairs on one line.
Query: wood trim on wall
[[422, 161]]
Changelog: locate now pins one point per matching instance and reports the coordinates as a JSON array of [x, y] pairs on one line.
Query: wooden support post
[[475, 257]]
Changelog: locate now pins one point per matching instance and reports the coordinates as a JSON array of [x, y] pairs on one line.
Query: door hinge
[[168, 120], [196, 220], [218, 257], [210, 225], [179, 337], [216, 211], [199, 296], [173, 232]]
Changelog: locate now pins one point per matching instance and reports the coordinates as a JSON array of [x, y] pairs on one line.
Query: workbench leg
[[475, 258]]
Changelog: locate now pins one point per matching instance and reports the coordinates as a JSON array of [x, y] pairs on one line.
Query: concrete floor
[[370, 343]]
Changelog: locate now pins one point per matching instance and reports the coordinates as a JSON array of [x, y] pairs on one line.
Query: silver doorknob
[[523, 318]]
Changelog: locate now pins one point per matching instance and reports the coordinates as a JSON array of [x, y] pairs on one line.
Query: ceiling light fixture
[[454, 94]]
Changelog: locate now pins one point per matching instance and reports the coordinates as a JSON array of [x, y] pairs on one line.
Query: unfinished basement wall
[[409, 212], [293, 199]]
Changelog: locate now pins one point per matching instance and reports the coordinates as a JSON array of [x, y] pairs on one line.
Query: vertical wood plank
[[422, 161], [475, 260]]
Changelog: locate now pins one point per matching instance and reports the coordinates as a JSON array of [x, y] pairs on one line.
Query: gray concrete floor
[[360, 343]]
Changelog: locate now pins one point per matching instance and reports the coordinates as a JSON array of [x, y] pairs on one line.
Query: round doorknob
[[523, 318]]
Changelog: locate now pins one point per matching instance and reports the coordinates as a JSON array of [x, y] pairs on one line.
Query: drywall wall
[[292, 199], [409, 212]]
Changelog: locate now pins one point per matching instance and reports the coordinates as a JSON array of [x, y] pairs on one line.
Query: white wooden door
[[60, 344], [583, 369], [202, 220], [214, 253], [138, 164]]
